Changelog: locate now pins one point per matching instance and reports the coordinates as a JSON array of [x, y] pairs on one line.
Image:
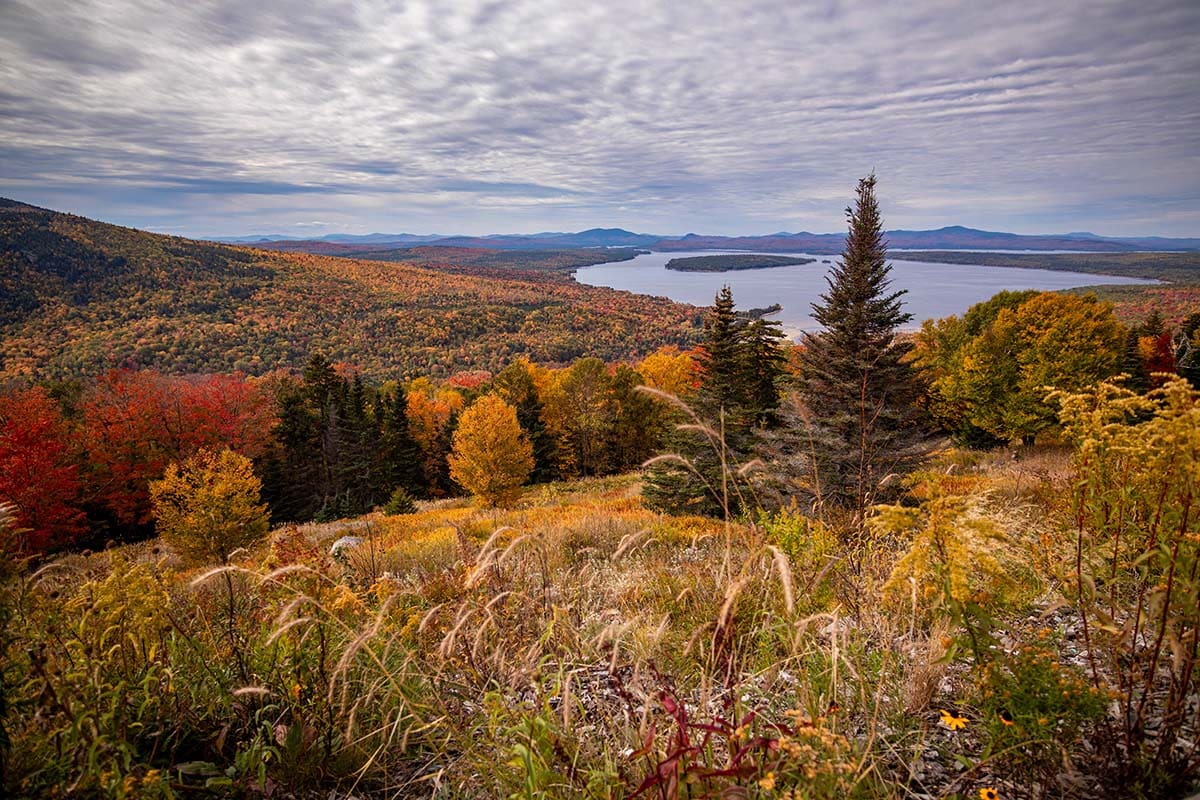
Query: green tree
[[741, 365], [860, 393], [941, 355], [398, 453], [1186, 349], [492, 457], [208, 506], [588, 420], [1051, 341], [636, 423], [765, 362]]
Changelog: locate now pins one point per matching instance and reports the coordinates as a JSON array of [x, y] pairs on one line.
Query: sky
[[727, 117]]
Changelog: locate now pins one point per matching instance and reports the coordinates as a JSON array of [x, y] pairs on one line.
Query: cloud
[[481, 116]]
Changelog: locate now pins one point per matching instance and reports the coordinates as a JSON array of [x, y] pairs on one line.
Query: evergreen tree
[[723, 384], [1186, 349], [398, 453], [765, 361], [291, 475], [859, 391], [741, 366], [1132, 364]]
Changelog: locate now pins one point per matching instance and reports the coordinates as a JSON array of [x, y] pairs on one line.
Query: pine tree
[[1186, 349], [723, 384], [398, 453], [859, 391], [765, 362], [1132, 364], [741, 366]]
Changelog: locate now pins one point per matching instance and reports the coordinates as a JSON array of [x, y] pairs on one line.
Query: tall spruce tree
[[860, 394]]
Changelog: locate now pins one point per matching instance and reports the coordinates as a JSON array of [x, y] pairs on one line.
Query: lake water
[[934, 290]]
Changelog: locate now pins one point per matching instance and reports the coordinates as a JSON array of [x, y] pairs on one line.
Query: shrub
[[401, 502], [1135, 575]]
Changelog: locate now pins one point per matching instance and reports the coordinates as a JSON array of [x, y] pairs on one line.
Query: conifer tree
[[398, 452], [765, 362], [1132, 364], [723, 384], [1186, 349], [741, 366], [858, 390]]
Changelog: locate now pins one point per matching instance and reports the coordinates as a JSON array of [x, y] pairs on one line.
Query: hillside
[[565, 648], [79, 296]]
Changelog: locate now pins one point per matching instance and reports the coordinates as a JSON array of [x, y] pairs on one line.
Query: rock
[[345, 543]]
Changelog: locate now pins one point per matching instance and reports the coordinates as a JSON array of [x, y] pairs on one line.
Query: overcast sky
[[466, 116]]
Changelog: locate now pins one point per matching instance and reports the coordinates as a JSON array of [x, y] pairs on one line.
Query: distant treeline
[[1175, 267]]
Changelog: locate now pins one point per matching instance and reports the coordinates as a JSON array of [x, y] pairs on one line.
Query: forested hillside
[[78, 297]]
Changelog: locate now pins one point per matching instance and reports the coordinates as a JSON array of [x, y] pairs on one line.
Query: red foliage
[[469, 380], [37, 470], [135, 423], [1158, 355]]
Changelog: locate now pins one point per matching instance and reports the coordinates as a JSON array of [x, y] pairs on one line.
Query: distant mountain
[[953, 237], [373, 239], [594, 237]]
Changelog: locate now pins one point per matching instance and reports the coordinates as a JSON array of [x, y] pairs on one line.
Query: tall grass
[[580, 645]]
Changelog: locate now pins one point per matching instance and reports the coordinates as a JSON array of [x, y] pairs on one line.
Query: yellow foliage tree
[[670, 370], [208, 506], [492, 456]]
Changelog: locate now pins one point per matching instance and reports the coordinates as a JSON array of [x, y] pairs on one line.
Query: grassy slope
[[569, 625], [79, 296]]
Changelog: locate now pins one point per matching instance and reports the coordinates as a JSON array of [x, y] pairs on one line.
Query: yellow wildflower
[[988, 793], [953, 721]]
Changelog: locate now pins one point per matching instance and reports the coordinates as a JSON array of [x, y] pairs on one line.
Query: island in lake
[[727, 262]]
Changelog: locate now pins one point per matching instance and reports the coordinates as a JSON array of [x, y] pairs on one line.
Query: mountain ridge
[[949, 237]]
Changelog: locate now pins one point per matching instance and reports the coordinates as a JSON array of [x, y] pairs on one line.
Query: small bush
[[401, 502]]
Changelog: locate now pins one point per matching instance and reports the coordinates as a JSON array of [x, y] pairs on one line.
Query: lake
[[934, 290]]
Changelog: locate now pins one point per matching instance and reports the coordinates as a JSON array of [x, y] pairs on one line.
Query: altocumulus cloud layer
[[474, 116]]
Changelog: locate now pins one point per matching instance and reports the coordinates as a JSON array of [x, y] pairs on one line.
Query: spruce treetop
[[857, 305]]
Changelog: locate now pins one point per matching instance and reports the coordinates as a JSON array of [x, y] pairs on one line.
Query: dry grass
[[582, 645]]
